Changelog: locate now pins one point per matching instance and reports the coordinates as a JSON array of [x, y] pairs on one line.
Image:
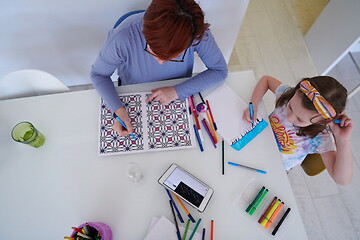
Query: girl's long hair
[[330, 89]]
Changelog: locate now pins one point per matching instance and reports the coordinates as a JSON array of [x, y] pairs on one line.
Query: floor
[[271, 42]]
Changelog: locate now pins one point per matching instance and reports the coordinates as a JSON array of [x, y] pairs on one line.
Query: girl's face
[[298, 115]]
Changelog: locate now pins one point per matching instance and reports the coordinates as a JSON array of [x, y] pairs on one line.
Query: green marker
[[186, 229], [258, 202], [255, 199], [194, 231]]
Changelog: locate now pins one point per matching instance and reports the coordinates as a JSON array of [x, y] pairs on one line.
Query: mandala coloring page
[[156, 126]]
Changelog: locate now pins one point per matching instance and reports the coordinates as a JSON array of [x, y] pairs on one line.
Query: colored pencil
[[194, 231], [176, 224], [185, 209]]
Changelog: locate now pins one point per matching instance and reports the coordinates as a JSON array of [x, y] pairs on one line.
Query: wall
[[333, 33], [64, 37]]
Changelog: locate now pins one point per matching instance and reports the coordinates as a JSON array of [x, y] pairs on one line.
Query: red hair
[[170, 26]]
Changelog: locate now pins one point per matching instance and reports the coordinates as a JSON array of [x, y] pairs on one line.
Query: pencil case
[[265, 208], [103, 230]]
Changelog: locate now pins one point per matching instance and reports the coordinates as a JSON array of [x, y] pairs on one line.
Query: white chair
[[29, 82]]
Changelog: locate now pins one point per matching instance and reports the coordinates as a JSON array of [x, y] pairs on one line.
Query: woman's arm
[[104, 66], [339, 163], [265, 83], [215, 73]]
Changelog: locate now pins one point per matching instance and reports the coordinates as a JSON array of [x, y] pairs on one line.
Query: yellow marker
[[264, 222], [212, 127], [70, 238]]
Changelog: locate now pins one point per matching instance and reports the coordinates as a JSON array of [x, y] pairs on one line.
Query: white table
[[64, 183]]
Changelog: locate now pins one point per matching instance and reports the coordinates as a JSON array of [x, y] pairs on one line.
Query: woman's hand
[[122, 114], [246, 113], [343, 130], [164, 95]]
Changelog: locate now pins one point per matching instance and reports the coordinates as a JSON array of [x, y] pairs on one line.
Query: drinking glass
[[25, 132], [134, 172]]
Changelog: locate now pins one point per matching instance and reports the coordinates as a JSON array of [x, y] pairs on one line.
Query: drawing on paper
[[156, 126]]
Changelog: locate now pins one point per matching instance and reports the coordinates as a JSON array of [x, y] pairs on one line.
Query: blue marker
[[338, 121], [251, 113], [123, 124], [250, 168], [198, 138], [177, 210]]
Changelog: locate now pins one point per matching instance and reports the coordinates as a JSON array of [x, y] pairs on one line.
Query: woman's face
[[298, 115]]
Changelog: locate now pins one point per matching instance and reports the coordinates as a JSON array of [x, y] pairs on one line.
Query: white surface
[[333, 33], [64, 183], [29, 82], [164, 229], [64, 38]]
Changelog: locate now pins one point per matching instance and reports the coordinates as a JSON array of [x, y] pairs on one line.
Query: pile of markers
[[271, 212], [208, 122], [190, 218], [84, 233]]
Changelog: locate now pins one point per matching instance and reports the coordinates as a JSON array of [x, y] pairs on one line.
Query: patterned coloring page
[[156, 126]]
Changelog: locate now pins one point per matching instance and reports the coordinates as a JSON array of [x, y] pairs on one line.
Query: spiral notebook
[[227, 108]]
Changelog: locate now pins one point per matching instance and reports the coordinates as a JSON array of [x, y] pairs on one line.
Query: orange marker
[[212, 117], [272, 218], [185, 209], [267, 210], [212, 230]]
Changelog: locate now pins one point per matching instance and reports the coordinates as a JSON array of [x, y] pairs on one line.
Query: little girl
[[303, 122]]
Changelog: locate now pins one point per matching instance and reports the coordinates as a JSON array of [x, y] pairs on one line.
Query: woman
[[158, 45]]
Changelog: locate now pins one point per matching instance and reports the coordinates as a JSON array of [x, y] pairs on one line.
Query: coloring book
[[227, 108], [157, 126]]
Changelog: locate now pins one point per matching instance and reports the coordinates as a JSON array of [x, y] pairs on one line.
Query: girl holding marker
[[303, 122]]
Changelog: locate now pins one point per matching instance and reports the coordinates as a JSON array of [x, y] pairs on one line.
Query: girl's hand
[[164, 95], [343, 130], [122, 114], [246, 114]]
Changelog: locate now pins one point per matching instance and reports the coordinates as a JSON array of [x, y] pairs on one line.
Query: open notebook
[[157, 127], [227, 108]]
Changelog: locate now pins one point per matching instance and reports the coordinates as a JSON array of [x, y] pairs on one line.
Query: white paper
[[227, 109], [163, 229]]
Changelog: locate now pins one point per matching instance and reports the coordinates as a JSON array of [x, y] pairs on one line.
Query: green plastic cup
[[26, 133]]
